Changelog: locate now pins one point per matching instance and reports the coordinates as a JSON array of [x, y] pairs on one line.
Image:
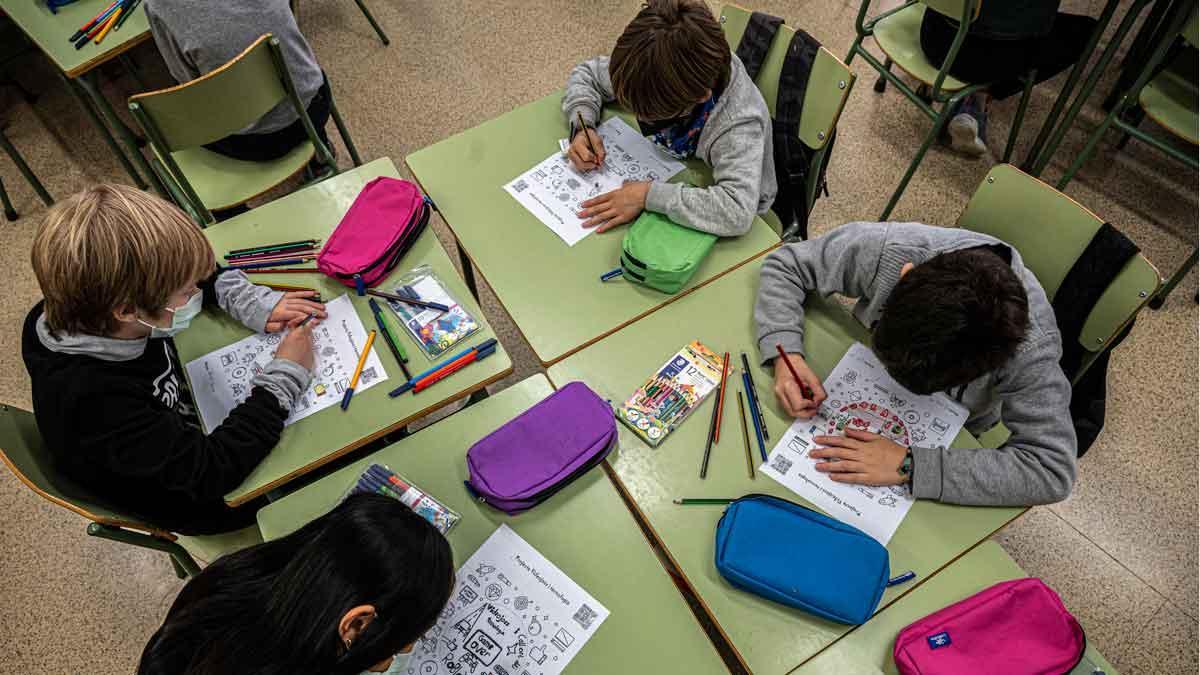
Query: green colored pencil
[[695, 501]]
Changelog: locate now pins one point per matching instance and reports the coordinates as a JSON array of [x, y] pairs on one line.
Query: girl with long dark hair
[[339, 596]]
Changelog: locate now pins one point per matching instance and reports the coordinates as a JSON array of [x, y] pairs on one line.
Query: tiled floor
[[1122, 550]]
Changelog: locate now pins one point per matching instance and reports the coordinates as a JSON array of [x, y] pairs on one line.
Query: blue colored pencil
[[485, 345], [762, 449], [269, 263]]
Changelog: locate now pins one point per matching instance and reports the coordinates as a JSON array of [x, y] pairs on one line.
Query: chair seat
[[1170, 100], [899, 36], [207, 548], [221, 182]]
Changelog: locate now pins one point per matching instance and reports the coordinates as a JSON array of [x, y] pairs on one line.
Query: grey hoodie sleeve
[[248, 303], [845, 260], [727, 207], [285, 379], [1036, 465], [588, 89]]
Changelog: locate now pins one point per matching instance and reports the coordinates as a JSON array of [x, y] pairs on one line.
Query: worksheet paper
[[861, 395], [221, 379], [512, 612], [553, 190]]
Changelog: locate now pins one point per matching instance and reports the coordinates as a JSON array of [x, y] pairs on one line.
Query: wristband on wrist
[[906, 468]]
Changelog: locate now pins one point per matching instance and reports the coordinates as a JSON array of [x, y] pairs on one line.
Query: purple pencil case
[[539, 452]]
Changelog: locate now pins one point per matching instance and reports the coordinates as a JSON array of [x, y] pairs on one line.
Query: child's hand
[[862, 458], [297, 346], [794, 402], [581, 155], [292, 307], [615, 208]]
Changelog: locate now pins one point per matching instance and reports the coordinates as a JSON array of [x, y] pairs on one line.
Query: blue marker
[[609, 276], [897, 580]]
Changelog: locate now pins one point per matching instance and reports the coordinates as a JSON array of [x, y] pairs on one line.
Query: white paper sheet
[[221, 379], [861, 395], [512, 613], [553, 189]]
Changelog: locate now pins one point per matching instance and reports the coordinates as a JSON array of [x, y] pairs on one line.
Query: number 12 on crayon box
[[665, 400]]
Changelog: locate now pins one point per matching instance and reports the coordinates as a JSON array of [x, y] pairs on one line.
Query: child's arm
[[250, 304], [588, 89], [845, 261], [726, 208], [1036, 465]]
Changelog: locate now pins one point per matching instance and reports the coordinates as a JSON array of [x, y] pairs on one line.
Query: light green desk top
[[313, 212], [585, 530], [868, 648], [770, 638], [50, 32], [552, 291]]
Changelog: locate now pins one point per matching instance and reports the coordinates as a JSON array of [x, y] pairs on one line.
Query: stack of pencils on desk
[[263, 259], [112, 18]]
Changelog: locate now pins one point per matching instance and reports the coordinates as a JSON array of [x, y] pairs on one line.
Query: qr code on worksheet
[[584, 616], [781, 464], [520, 186]]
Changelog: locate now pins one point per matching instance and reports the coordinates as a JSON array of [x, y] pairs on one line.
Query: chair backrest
[[956, 8], [21, 449], [1050, 231], [829, 83], [218, 103]]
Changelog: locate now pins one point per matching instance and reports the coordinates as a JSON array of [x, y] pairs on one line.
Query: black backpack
[[793, 158]]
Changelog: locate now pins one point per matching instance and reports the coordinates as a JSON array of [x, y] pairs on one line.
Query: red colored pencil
[[804, 390], [280, 270], [721, 398]]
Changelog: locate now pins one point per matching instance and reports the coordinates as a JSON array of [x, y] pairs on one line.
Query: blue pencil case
[[801, 558]]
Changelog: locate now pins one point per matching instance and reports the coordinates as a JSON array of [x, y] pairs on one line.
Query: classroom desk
[[769, 638], [868, 648], [313, 212], [585, 530], [49, 31], [552, 291]]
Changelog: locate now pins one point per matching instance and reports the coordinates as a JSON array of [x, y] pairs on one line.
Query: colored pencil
[[269, 247], [477, 355], [692, 501], [762, 450], [490, 343], [804, 389], [409, 301], [267, 255], [712, 426], [112, 19], [362, 361], [270, 263], [721, 396], [745, 436], [128, 12], [583, 128], [87, 27], [289, 288], [295, 270], [756, 403], [304, 322], [401, 358]]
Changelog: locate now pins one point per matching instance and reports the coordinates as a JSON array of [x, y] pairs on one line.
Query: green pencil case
[[662, 254]]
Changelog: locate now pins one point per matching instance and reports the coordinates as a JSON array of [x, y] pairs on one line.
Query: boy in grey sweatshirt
[[672, 67], [950, 310]]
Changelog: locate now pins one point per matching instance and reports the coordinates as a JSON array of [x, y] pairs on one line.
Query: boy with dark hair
[[950, 310], [122, 271], [673, 69]]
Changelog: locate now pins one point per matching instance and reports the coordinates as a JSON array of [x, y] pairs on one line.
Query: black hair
[[951, 319], [274, 608]]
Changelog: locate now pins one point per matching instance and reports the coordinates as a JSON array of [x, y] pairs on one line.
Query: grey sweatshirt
[[1030, 393], [195, 37], [247, 303], [735, 142]]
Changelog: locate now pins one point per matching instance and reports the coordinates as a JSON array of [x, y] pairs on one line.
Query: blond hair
[[110, 246]]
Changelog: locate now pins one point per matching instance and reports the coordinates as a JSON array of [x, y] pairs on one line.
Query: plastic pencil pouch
[[542, 450], [798, 557], [435, 331], [379, 479], [385, 220]]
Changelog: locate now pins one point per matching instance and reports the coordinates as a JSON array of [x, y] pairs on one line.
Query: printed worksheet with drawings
[[553, 190], [861, 395], [512, 612], [221, 379]]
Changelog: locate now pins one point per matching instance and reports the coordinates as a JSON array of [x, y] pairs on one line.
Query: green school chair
[[7, 146], [178, 121], [1051, 230], [898, 34], [1168, 96], [362, 7], [829, 86], [21, 450]]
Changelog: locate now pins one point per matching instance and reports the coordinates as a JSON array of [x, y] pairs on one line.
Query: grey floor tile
[[1165, 646]]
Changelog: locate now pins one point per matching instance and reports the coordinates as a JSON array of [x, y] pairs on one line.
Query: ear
[[125, 313], [905, 269], [354, 622]]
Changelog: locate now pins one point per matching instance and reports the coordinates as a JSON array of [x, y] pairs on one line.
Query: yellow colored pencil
[[112, 20], [362, 361]]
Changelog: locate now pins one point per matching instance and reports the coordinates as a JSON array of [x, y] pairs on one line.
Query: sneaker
[[968, 128]]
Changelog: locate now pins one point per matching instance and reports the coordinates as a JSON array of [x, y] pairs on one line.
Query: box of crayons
[[665, 400], [380, 479]]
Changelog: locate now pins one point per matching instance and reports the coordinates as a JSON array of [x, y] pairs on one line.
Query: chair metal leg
[[179, 557], [881, 83], [374, 24], [24, 169], [9, 211], [132, 70], [89, 84], [1019, 119], [1161, 296], [940, 122], [345, 134], [94, 116]]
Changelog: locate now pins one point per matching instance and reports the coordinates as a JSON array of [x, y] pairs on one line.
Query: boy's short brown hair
[[113, 245], [668, 57]]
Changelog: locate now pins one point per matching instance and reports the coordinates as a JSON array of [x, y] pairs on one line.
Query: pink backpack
[[1018, 626], [384, 221]]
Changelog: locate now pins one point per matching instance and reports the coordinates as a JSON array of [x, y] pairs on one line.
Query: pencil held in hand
[[805, 390]]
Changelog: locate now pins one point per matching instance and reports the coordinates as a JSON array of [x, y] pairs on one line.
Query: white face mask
[[180, 317], [399, 665]]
